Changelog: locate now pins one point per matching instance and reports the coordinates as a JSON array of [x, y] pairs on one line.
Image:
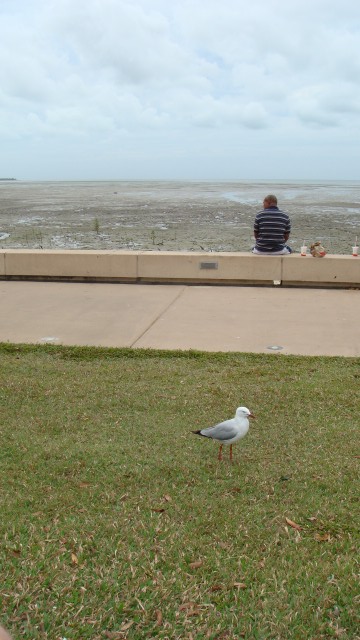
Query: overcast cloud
[[188, 89]]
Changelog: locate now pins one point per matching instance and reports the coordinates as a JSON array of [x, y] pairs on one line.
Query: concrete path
[[209, 318]]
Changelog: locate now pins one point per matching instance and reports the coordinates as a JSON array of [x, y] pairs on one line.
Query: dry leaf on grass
[[196, 565], [127, 625], [293, 524], [74, 559], [187, 606], [240, 585], [322, 537], [223, 545], [159, 617], [194, 612], [190, 609]]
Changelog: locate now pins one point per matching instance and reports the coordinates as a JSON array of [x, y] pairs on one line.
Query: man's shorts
[[284, 252]]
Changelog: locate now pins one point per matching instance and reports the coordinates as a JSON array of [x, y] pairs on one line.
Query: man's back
[[271, 228], [272, 224]]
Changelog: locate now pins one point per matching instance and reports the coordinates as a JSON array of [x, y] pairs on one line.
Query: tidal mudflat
[[172, 215]]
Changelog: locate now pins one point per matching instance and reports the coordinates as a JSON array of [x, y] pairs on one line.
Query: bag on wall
[[317, 250]]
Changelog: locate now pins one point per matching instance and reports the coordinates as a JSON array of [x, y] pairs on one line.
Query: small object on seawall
[[229, 431], [355, 249], [317, 250]]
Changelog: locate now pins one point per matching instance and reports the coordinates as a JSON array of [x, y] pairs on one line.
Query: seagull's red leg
[[220, 453], [231, 453]]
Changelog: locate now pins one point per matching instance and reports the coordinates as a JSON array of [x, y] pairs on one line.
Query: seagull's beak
[[251, 415]]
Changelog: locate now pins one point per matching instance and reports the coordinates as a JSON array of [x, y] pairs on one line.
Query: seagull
[[228, 431]]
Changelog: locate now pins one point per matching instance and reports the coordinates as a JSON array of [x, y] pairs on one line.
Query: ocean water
[[172, 215]]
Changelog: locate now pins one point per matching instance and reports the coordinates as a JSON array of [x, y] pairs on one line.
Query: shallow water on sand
[[172, 215]]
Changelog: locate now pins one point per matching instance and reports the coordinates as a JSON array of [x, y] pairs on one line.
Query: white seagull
[[229, 431]]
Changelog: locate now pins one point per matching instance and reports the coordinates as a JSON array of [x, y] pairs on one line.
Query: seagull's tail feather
[[200, 433]]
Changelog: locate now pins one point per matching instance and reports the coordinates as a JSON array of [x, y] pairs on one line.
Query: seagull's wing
[[222, 431]]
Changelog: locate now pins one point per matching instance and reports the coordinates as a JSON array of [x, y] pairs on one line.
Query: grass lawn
[[118, 522]]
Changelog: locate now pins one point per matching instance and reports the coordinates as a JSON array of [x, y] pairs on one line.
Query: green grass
[[118, 522]]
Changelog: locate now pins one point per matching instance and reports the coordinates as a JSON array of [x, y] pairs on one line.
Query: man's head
[[270, 201]]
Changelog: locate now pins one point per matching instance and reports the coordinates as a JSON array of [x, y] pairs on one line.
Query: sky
[[180, 89]]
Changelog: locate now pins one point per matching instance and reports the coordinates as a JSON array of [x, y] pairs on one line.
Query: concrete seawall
[[332, 271]]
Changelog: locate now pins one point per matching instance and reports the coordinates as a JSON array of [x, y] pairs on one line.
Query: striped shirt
[[271, 225]]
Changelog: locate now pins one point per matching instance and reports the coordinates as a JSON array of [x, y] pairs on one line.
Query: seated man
[[271, 229]]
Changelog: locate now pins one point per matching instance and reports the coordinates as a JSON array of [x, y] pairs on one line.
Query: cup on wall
[[303, 250], [355, 251]]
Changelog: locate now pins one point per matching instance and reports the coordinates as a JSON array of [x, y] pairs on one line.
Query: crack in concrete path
[[158, 316]]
